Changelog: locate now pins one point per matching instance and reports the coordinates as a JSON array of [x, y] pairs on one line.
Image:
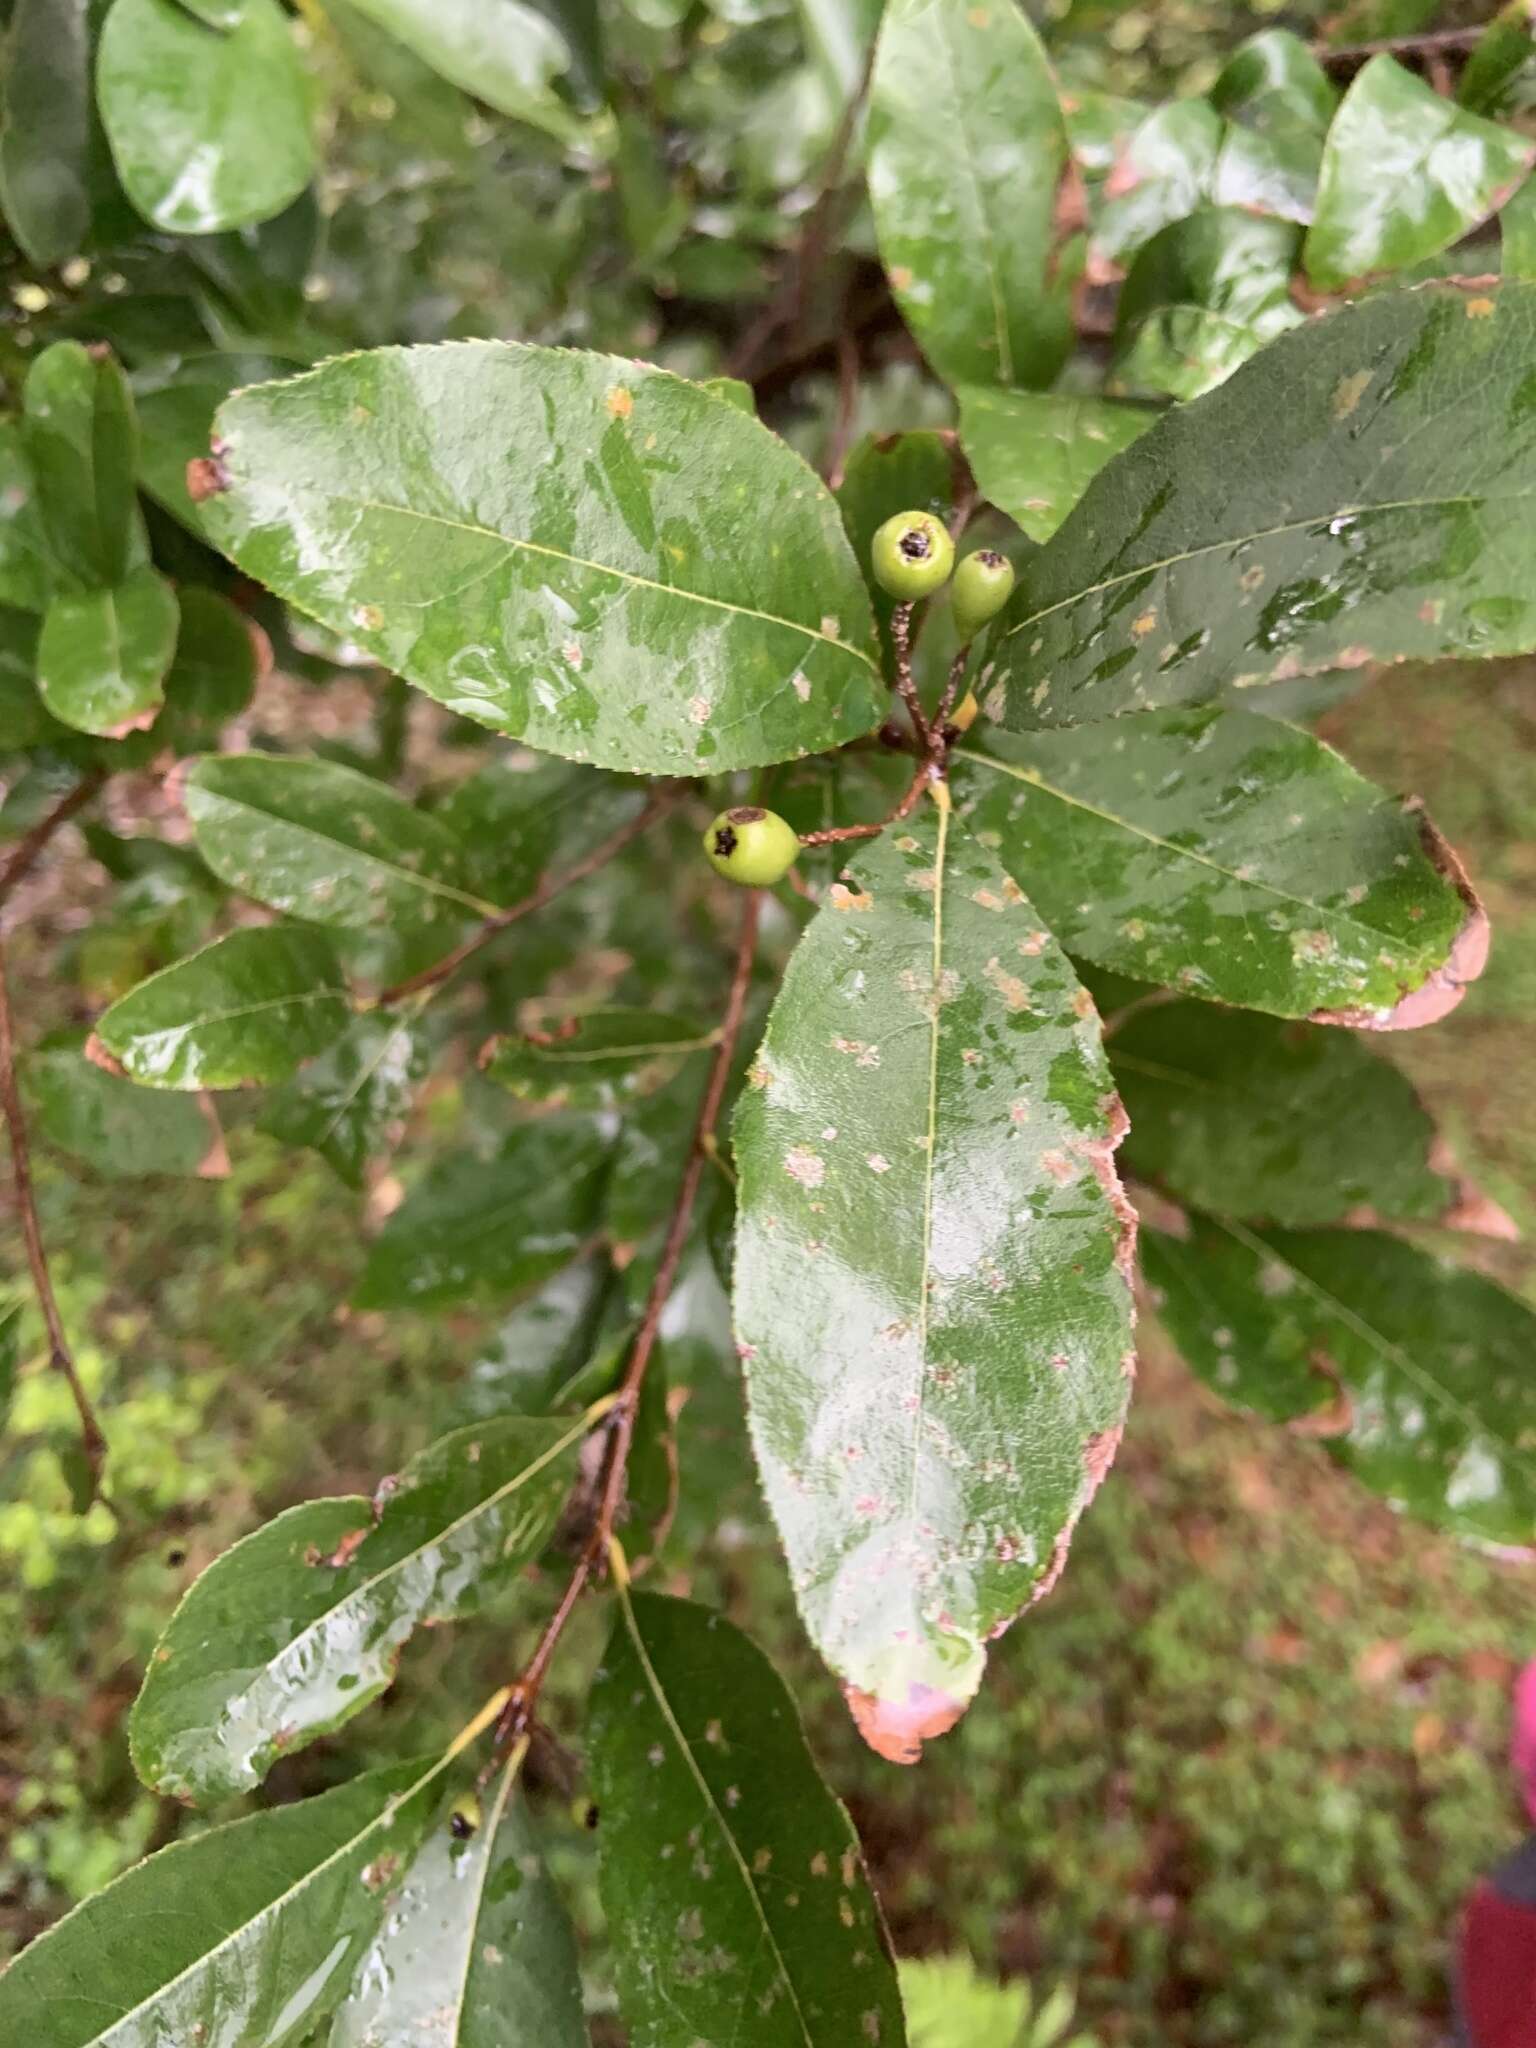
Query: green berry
[[983, 585], [912, 556], [465, 1817], [751, 846]]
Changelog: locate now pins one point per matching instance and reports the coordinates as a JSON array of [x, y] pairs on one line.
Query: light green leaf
[[1381, 511], [81, 441], [585, 552], [300, 1625], [1034, 453], [327, 844], [1169, 169], [967, 147], [477, 1951], [103, 655], [225, 14], [1415, 1373], [345, 1104], [250, 1007], [504, 52], [949, 2004], [595, 1059], [1405, 173], [733, 1886], [1517, 232], [117, 1129], [931, 1271], [1228, 856], [176, 404], [249, 1931], [490, 1228], [1201, 297], [1279, 103], [208, 130]]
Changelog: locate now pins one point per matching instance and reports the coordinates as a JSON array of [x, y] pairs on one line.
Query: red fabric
[[1498, 1971]]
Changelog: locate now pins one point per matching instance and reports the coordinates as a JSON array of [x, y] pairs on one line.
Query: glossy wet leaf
[[1168, 169], [1278, 102], [477, 1951], [528, 1364], [24, 564], [596, 1058], [1034, 453], [587, 553], [891, 473], [248, 1931], [103, 655], [1273, 1122], [114, 1127], [325, 843], [520, 818], [251, 1007], [1416, 1372], [1405, 173], [219, 655], [1201, 297], [349, 1103], [56, 181], [488, 1228], [931, 1254], [208, 130], [967, 147], [176, 404], [503, 52], [81, 440], [1223, 854], [1381, 511], [733, 1885], [295, 1629]]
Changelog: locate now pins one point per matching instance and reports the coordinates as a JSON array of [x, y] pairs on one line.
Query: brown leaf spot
[[98, 1056], [206, 478], [897, 1729], [1349, 391], [1437, 996], [843, 898], [348, 1547], [620, 402]]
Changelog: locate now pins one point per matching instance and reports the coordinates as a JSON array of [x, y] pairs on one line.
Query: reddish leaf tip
[[897, 1729]]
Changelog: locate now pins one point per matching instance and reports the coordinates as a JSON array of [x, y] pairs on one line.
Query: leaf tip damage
[[897, 1729], [1443, 989]]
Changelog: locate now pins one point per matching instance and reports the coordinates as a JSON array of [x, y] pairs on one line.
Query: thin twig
[[1434, 42], [523, 1697], [60, 1357], [952, 687], [551, 887], [834, 835], [901, 640], [28, 848]]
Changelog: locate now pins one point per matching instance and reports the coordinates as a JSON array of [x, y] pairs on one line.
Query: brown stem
[[28, 848], [517, 1717], [834, 835], [60, 1357], [1434, 43], [951, 687], [901, 640], [551, 887]]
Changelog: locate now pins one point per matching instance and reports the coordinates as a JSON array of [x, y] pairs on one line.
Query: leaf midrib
[[931, 1149]]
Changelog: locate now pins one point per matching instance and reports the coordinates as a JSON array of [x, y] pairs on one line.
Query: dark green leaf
[[250, 1007], [24, 568], [891, 473], [1500, 75], [1378, 512], [219, 653], [208, 130], [325, 843], [248, 1932], [10, 1351], [114, 1127], [1417, 1373], [1272, 1122], [1279, 103], [1229, 856], [520, 818], [540, 1348], [1201, 297], [931, 1269], [24, 720], [346, 1104], [81, 443], [489, 1228], [56, 179], [1405, 173], [1034, 453], [103, 655], [1168, 170], [733, 1885], [967, 147], [176, 409], [595, 586], [477, 1951], [504, 52], [596, 1059], [295, 1629]]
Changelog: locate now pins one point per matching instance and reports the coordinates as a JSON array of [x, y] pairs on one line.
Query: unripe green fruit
[[751, 846], [912, 556], [983, 585], [465, 1817]]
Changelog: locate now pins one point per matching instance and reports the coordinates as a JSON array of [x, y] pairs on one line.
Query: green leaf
[[1034, 453], [323, 842], [489, 1228], [1416, 1373], [477, 1951], [219, 654], [81, 440], [1378, 512], [1501, 72], [520, 818], [967, 149], [1201, 297], [24, 565], [225, 14], [251, 1007], [208, 130], [56, 181], [10, 1356], [1279, 103], [1272, 1122], [248, 1932], [1168, 170], [1405, 173], [504, 52], [346, 1104], [949, 2004], [538, 1350], [1228, 856], [24, 719], [103, 655], [931, 1269], [732, 1881], [596, 1059], [176, 404], [891, 473], [114, 1127], [733, 391], [300, 1625], [642, 576], [1517, 232]]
